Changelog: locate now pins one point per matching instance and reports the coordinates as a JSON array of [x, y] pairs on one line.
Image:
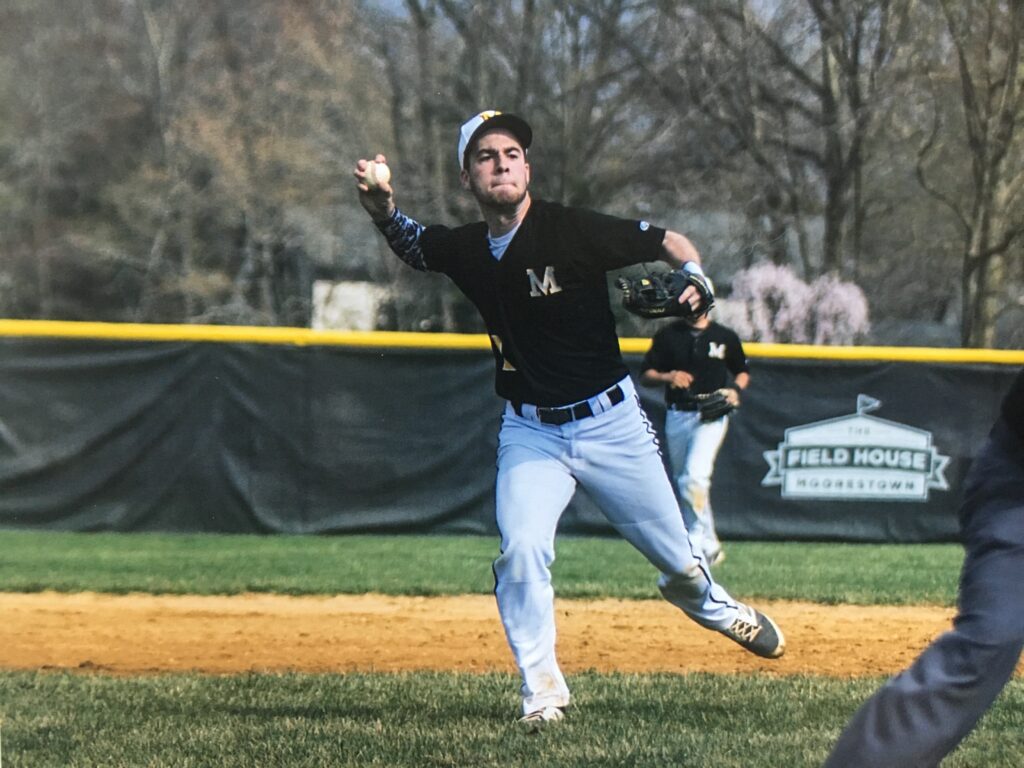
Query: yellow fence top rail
[[309, 337]]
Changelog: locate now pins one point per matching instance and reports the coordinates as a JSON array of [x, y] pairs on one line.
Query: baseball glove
[[657, 295], [714, 405]]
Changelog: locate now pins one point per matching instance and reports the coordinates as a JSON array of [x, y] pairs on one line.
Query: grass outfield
[[426, 720], [448, 565], [434, 719]]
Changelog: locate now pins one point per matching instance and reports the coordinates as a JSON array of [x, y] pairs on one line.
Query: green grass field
[[419, 720], [60, 719], [452, 565]]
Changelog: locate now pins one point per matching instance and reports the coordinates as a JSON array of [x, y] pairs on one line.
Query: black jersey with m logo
[[545, 303], [710, 355]]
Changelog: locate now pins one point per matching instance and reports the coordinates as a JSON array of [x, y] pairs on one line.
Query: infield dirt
[[141, 634]]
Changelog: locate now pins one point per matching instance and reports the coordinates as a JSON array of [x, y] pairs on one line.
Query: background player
[[536, 273], [919, 716], [696, 357]]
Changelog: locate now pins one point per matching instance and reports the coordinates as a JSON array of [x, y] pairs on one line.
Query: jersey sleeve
[[425, 248], [403, 235], [445, 249], [612, 243], [439, 246], [657, 357], [735, 357]]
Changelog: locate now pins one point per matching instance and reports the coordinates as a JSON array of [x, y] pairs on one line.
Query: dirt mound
[[136, 634]]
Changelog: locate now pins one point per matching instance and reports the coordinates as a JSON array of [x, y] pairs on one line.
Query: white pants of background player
[[692, 449], [614, 455]]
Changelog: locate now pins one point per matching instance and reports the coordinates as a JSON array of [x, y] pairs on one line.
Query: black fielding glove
[[657, 295]]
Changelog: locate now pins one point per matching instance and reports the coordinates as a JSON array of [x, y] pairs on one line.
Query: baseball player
[[694, 358], [535, 271], [919, 716]]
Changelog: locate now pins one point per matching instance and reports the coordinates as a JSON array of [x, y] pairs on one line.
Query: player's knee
[[525, 560], [992, 628], [959, 662]]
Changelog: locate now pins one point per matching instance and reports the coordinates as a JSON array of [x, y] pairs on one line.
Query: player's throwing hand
[[373, 180]]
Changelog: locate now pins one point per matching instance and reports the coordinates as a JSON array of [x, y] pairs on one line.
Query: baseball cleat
[[539, 719], [757, 633]]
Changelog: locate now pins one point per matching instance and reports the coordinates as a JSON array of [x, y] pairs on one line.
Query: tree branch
[[922, 154]]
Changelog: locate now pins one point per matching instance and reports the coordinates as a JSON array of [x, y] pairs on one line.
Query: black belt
[[559, 416], [682, 407]]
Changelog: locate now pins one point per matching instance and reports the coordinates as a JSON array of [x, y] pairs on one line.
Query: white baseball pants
[[692, 450], [614, 455]]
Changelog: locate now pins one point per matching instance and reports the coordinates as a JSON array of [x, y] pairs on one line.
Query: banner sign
[[857, 457], [856, 451]]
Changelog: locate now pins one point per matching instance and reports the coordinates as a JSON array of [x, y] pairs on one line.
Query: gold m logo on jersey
[[544, 287]]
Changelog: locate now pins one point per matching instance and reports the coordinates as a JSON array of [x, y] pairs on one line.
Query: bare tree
[[986, 37], [165, 46], [795, 87], [191, 161]]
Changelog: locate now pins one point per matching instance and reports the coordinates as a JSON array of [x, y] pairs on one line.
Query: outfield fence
[[131, 427]]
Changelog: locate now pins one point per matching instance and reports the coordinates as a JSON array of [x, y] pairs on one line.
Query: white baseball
[[377, 174]]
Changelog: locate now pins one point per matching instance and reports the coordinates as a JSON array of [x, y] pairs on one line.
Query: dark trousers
[[919, 716]]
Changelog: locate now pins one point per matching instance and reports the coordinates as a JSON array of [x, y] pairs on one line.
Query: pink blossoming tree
[[770, 303]]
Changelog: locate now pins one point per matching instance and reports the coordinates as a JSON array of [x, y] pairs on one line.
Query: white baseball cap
[[490, 120]]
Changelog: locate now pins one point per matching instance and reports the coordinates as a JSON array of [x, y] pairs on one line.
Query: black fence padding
[[236, 437]]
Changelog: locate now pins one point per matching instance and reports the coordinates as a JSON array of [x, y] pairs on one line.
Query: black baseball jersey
[[710, 355], [545, 302]]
